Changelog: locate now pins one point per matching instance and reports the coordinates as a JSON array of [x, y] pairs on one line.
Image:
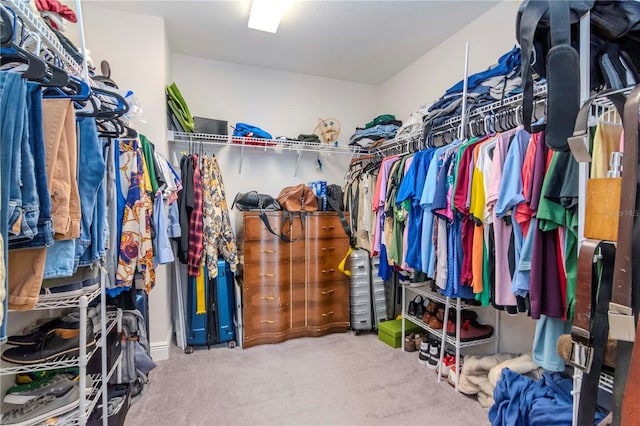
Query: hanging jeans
[[29, 217], [12, 93]]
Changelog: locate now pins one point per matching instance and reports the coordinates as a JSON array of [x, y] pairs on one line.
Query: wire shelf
[[395, 144], [425, 291], [606, 382], [63, 361], [257, 143], [65, 302], [449, 339], [35, 23], [539, 91]]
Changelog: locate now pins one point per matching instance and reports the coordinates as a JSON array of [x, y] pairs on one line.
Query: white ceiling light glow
[[266, 14]]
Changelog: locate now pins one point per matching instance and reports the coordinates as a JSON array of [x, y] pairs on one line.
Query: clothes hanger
[[10, 51]]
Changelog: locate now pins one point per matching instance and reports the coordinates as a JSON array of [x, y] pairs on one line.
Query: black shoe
[[55, 343], [413, 305], [67, 322]]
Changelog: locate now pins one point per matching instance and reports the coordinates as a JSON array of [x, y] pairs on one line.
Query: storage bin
[[390, 332]]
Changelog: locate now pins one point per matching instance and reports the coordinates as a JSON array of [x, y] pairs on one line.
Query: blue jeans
[[43, 236], [91, 174], [12, 89]]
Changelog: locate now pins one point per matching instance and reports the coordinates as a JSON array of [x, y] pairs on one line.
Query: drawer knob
[[267, 251], [328, 227], [325, 271], [328, 291], [328, 314], [328, 248], [266, 275], [267, 321], [267, 298]]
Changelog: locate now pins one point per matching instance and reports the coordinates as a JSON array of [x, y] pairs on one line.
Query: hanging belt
[[626, 408], [590, 328], [590, 325]]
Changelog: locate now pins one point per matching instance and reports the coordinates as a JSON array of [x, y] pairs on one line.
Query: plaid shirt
[[196, 223]]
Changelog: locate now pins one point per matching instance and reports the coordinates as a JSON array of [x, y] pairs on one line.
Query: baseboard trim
[[160, 350]]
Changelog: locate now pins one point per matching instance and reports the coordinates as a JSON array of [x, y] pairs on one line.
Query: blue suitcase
[[217, 324]]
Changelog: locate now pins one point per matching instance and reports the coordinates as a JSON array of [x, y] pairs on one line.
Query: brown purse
[[299, 198]]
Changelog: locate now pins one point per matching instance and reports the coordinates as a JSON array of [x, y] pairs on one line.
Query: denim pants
[[91, 175], [12, 91], [43, 232]]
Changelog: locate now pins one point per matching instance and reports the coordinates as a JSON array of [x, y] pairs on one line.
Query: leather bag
[[253, 201], [299, 198]]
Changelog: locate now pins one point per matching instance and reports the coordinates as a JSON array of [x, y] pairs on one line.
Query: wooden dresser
[[292, 289]]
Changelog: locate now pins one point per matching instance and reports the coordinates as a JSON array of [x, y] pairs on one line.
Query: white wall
[[426, 79], [282, 103], [138, 53]]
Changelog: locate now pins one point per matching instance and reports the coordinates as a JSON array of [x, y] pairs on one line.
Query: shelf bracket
[[241, 158], [295, 171]]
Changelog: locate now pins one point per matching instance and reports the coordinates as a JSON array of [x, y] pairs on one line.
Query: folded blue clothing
[[382, 131], [520, 400]]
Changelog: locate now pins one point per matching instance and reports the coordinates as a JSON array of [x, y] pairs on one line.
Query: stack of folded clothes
[[375, 132], [499, 81]]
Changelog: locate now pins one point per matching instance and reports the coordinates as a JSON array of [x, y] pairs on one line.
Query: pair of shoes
[[58, 384], [410, 342], [416, 308], [52, 344], [413, 341], [470, 330], [70, 322], [448, 361], [42, 408], [429, 354]]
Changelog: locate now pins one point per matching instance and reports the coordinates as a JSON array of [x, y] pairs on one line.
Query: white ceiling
[[360, 41]]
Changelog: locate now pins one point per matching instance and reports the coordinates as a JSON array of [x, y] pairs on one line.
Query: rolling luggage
[[212, 319], [360, 291]]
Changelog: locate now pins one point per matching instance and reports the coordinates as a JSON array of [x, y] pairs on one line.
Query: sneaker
[[452, 374], [91, 282], [447, 363], [423, 356], [410, 343], [68, 322], [61, 292], [418, 340], [58, 384], [432, 363], [42, 408], [55, 343]]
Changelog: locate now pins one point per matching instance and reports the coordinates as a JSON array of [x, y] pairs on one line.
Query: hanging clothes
[[219, 239]]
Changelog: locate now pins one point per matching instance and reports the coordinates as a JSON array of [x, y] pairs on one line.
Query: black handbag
[[253, 201]]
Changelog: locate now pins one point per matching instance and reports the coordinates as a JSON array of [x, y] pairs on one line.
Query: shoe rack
[[109, 320], [409, 292]]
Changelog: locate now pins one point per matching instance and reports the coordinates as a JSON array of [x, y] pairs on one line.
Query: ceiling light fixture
[[266, 14]]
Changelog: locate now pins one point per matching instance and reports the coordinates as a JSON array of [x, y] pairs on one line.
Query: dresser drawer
[[328, 248], [325, 226], [326, 269], [255, 229], [265, 310], [265, 251], [328, 303], [266, 274]]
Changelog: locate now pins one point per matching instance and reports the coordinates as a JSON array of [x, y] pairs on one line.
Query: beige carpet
[[339, 379]]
